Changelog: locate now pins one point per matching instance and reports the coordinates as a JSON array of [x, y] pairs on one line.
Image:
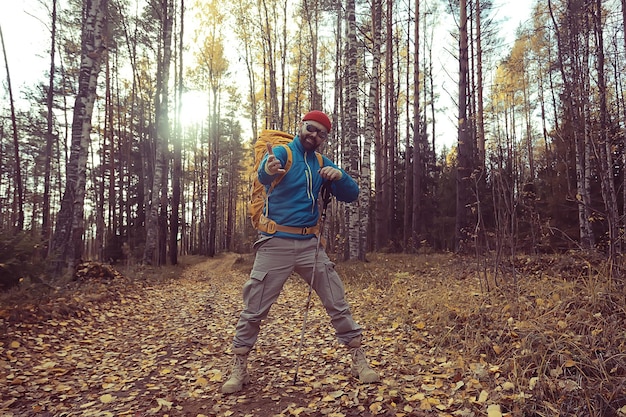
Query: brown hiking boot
[[239, 374], [360, 367]]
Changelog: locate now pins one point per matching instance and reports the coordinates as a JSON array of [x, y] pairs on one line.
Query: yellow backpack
[[258, 196]]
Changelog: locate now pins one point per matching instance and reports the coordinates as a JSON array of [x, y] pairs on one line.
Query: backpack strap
[[274, 183], [320, 159], [286, 167], [270, 226]]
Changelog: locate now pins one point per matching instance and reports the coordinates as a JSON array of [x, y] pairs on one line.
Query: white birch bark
[[67, 242], [372, 123], [353, 158]]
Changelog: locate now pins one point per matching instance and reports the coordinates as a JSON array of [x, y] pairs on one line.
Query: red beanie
[[319, 117]]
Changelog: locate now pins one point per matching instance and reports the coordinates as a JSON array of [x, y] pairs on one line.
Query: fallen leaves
[[107, 398], [493, 410], [137, 348]]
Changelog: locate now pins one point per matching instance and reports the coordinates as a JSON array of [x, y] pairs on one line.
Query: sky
[[26, 39]]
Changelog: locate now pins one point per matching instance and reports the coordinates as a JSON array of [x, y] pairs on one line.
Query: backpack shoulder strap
[[287, 166], [320, 159], [289, 158]]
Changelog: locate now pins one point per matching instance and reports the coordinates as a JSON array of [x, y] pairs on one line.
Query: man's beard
[[309, 143]]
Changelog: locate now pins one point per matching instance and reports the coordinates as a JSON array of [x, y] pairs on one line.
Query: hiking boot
[[360, 367], [239, 374]]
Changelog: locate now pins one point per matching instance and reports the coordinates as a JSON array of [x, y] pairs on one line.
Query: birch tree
[[572, 39], [372, 126], [603, 151], [351, 116], [158, 198], [67, 241]]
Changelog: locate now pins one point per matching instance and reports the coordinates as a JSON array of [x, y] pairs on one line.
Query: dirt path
[[164, 349]]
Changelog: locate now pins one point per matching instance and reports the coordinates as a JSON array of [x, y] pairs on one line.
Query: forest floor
[[547, 340]]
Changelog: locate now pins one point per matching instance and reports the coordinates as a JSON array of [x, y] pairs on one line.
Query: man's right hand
[[273, 165]]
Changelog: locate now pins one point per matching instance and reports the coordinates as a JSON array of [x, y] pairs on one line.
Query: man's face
[[312, 135]]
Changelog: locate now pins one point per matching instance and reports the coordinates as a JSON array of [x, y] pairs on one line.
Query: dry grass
[[547, 339], [556, 330]]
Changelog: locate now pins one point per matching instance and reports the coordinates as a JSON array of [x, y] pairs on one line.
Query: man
[[290, 244]]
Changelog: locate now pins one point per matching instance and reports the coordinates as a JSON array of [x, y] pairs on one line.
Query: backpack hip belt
[[270, 226]]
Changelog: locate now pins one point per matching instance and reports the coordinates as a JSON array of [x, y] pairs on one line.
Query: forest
[[484, 261], [107, 162]]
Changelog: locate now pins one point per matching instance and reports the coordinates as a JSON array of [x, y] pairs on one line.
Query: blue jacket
[[293, 202]]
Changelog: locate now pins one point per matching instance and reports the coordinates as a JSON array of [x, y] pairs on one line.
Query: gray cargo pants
[[276, 258]]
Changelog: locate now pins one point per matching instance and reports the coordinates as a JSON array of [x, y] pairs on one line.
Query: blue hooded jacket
[[293, 201]]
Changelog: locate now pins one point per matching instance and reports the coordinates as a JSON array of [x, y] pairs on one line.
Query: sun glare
[[195, 108]]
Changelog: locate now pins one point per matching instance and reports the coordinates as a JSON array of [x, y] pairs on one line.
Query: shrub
[[20, 258]]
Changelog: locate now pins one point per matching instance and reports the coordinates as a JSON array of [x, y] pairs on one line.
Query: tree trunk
[[67, 242], [415, 226], [215, 66], [604, 152], [373, 123], [351, 114], [464, 147], [283, 65], [106, 156], [17, 169], [312, 19], [50, 136], [529, 137], [574, 104], [389, 184], [178, 145], [623, 217], [270, 53], [409, 154], [480, 124], [154, 219], [214, 134], [243, 30], [231, 199]]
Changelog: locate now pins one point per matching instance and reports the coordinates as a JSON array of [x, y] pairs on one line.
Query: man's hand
[[273, 165], [330, 173]]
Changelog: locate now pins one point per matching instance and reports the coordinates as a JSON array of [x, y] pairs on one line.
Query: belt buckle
[[268, 225]]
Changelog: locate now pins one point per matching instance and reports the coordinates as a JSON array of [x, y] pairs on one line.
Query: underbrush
[[550, 340], [92, 283], [20, 259]]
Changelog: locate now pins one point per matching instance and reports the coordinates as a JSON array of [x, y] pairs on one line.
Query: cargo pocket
[[253, 291]]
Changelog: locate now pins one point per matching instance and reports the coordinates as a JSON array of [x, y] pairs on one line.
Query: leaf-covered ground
[[546, 341]]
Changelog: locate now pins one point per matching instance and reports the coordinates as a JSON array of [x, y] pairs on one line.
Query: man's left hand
[[330, 173]]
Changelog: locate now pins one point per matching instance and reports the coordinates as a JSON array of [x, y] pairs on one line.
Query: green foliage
[[20, 258]]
